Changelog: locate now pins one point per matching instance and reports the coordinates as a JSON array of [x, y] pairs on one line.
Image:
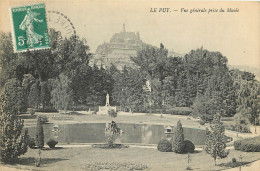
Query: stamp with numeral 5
[[29, 27]]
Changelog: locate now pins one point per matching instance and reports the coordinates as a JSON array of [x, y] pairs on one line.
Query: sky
[[235, 34]]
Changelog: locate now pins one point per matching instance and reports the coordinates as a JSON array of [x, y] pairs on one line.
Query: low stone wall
[[105, 109]]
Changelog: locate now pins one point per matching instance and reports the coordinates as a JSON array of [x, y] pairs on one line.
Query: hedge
[[239, 128], [248, 145], [189, 146], [51, 143], [46, 110], [164, 146], [179, 111]]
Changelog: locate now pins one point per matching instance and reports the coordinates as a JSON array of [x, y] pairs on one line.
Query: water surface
[[133, 133]]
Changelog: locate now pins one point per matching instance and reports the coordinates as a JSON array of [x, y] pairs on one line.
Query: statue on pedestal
[[107, 100], [106, 108]]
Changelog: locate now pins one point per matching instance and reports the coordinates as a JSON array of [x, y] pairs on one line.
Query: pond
[[133, 133]]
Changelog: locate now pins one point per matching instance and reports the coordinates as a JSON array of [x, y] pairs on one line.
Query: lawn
[[82, 157], [88, 158], [121, 118]]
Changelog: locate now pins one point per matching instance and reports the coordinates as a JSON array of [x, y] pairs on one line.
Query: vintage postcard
[[129, 85]]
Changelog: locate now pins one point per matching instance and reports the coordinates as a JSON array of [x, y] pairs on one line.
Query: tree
[[61, 93], [70, 54], [248, 93], [28, 81], [12, 142], [176, 89], [153, 61], [178, 141], [14, 97], [8, 59], [111, 132], [34, 97], [221, 89], [215, 142], [45, 94], [64, 56], [113, 70], [128, 89], [39, 136], [204, 106]]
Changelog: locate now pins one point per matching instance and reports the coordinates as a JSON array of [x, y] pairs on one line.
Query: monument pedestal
[[106, 108]]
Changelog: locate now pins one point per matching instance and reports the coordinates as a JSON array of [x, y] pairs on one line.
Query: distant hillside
[[252, 69]]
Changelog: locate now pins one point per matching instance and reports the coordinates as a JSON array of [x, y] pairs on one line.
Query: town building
[[119, 49]]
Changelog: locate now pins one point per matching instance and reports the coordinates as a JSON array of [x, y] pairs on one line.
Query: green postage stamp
[[29, 27]]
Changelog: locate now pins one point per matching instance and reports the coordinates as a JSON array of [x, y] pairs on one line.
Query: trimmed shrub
[[164, 146], [189, 146], [51, 143], [43, 119], [189, 168], [178, 141], [244, 129], [39, 136], [248, 145], [234, 160], [201, 122]]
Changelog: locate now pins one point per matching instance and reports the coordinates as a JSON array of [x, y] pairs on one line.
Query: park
[[135, 102], [103, 119], [74, 153]]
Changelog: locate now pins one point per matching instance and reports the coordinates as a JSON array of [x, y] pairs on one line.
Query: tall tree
[[64, 56], [220, 88], [215, 142], [12, 142], [39, 135], [178, 141], [14, 97], [128, 89], [8, 59], [200, 64], [34, 98], [248, 94], [28, 81], [45, 94], [153, 62], [61, 92]]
